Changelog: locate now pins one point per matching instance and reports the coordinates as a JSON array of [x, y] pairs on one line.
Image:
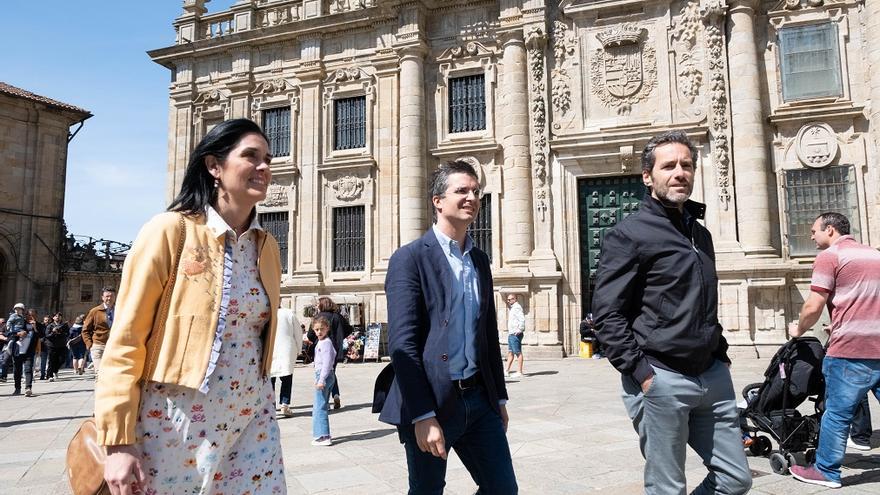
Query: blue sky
[[93, 54]]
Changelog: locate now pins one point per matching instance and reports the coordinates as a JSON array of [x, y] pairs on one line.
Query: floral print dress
[[222, 439]]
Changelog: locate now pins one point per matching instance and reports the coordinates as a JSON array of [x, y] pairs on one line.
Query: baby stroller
[[793, 376]]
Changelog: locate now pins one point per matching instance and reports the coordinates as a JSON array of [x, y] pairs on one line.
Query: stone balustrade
[[217, 25]]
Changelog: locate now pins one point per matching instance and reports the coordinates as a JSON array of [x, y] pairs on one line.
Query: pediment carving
[[465, 50]]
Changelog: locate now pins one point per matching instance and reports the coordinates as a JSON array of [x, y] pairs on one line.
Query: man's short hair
[[836, 220], [664, 138], [439, 180], [108, 289]]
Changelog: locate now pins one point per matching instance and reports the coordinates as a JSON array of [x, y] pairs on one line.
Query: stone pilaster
[[517, 229], [872, 47], [310, 229], [751, 162], [413, 200]]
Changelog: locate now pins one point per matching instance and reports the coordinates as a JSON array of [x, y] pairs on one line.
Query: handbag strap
[[159, 321]]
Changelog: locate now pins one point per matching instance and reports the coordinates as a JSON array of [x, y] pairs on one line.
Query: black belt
[[468, 383]]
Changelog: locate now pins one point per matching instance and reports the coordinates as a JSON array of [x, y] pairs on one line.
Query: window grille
[[350, 125], [467, 104], [348, 239], [810, 62], [276, 223], [811, 192], [276, 125], [86, 293], [481, 230]]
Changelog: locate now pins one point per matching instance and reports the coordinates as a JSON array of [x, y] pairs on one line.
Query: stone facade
[[34, 133], [573, 91]]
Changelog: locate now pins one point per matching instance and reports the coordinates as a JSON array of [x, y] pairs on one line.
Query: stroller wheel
[[761, 446], [779, 463]]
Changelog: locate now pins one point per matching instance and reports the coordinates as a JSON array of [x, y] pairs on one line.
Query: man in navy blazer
[[448, 384]]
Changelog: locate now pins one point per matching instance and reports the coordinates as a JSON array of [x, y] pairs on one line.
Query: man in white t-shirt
[[516, 326]]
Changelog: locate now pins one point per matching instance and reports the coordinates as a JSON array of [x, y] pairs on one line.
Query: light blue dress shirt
[[462, 326]]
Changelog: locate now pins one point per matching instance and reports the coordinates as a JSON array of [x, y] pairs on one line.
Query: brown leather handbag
[[85, 462], [85, 458]]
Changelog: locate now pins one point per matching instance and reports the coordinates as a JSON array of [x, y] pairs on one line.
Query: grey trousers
[[680, 410]]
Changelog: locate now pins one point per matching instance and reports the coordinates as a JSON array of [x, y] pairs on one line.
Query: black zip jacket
[[656, 296]]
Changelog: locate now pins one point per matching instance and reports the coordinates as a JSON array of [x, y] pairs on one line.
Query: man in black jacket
[[655, 305]]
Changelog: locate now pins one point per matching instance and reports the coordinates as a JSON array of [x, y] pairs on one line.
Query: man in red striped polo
[[846, 278]]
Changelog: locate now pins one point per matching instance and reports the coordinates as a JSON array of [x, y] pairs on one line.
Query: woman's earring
[[216, 183]]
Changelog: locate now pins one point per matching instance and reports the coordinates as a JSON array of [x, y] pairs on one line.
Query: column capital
[[412, 50], [512, 35], [744, 6]]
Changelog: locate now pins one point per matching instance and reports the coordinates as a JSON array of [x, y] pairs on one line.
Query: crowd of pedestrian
[[35, 348]]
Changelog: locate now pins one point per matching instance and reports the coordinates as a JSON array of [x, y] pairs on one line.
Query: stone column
[[751, 163], [517, 229], [872, 16], [413, 200]]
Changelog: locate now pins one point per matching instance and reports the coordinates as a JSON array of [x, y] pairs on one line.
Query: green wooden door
[[602, 203]]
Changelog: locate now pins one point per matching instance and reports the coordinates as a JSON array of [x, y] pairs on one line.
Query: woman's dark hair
[[197, 190], [325, 304]]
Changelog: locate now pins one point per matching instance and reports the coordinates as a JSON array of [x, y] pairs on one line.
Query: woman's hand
[[319, 386], [122, 467]]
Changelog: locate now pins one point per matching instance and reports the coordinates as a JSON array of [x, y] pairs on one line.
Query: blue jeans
[[286, 387], [846, 382], [476, 433], [320, 417]]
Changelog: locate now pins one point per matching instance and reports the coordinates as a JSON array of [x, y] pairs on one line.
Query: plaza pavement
[[568, 434]]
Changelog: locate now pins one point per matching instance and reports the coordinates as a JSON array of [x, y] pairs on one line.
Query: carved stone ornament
[[624, 71], [816, 145], [347, 188], [272, 86], [470, 48], [343, 75], [535, 43], [276, 195], [563, 48], [689, 55], [209, 97], [798, 4], [713, 19]]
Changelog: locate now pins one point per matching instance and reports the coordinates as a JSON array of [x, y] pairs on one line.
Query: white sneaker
[[857, 446], [515, 374], [322, 441], [506, 374]]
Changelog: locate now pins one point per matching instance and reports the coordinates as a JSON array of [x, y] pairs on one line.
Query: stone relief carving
[[271, 86], [337, 6], [348, 187], [276, 16], [799, 4], [624, 71], [469, 49], [816, 145], [536, 40], [713, 14], [564, 43], [689, 54], [277, 195], [343, 75], [209, 97]]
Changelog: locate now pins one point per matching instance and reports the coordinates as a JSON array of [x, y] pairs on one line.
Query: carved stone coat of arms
[[624, 71]]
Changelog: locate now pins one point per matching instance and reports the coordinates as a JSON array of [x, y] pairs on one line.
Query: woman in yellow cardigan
[[183, 403]]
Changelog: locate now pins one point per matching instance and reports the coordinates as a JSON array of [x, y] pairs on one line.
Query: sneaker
[[51, 378], [851, 444], [515, 375], [336, 402], [16, 391], [285, 411], [28, 393], [506, 374], [809, 474], [324, 441]]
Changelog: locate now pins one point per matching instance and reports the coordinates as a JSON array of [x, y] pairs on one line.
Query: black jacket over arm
[[656, 295]]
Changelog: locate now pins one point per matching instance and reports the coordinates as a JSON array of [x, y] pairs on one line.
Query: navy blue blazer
[[418, 288]]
